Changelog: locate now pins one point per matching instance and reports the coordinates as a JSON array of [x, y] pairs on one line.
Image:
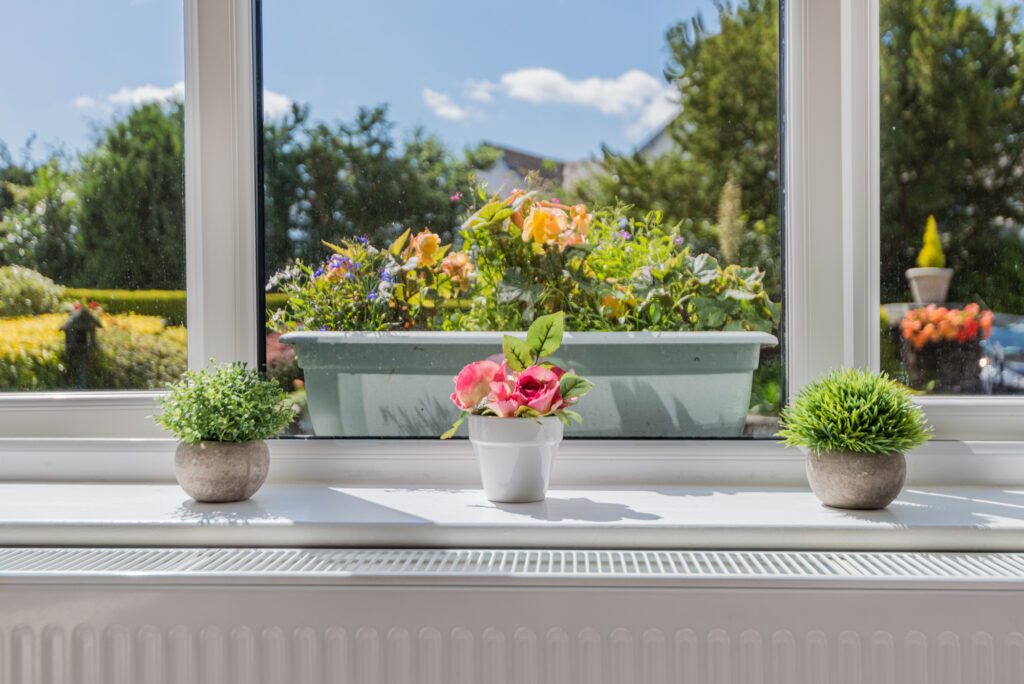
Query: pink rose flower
[[537, 387], [473, 383]]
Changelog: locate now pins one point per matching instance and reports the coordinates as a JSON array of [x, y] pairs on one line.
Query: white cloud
[[625, 94], [658, 112], [443, 106], [481, 91], [275, 104], [147, 93], [84, 102]]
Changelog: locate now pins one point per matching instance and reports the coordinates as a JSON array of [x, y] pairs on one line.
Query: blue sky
[[556, 77]]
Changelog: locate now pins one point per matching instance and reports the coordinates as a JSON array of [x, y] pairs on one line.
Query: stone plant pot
[[515, 455], [219, 472], [847, 479], [929, 285]]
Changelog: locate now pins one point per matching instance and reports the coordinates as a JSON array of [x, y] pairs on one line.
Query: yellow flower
[[544, 225], [425, 246]]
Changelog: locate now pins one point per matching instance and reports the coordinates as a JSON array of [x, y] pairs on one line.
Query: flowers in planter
[[522, 386], [517, 259], [933, 324]]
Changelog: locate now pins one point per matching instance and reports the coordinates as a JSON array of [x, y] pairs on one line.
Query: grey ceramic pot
[[846, 479], [218, 472]]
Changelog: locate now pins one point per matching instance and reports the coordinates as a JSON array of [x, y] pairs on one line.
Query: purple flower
[[680, 241], [623, 223], [361, 239], [318, 272], [624, 235], [385, 276], [323, 327], [372, 296]]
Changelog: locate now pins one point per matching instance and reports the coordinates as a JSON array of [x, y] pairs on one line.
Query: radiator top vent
[[511, 563]]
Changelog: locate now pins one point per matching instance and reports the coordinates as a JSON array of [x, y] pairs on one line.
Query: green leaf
[[527, 412], [396, 247], [572, 386], [545, 334], [517, 353], [336, 248], [572, 416], [448, 434]]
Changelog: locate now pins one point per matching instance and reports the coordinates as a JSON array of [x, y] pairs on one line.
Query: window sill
[[922, 519]]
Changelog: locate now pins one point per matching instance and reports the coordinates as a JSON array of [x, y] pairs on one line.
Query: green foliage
[[951, 119], [931, 255], [131, 194], [38, 229], [125, 359], [223, 403], [854, 410], [726, 134], [168, 304], [24, 292]]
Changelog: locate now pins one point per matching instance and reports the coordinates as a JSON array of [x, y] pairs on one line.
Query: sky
[[555, 77]]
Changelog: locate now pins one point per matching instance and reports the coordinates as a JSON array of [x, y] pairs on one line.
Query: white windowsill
[[923, 518]]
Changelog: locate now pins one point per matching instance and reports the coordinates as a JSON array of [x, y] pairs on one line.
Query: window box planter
[[648, 384]]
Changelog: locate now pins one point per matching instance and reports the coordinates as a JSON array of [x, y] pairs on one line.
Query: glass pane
[[91, 195], [481, 167], [952, 170]]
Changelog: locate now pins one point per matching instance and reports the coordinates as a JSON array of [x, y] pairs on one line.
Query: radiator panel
[[135, 631]]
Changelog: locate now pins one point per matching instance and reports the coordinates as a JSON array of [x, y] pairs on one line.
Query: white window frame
[[831, 245]]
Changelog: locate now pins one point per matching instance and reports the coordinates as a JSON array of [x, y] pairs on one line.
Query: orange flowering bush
[[933, 324]]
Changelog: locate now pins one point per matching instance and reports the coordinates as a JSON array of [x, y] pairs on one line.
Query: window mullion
[[220, 194]]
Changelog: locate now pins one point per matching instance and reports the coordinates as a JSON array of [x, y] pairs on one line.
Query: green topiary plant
[[854, 410], [931, 255], [223, 403]]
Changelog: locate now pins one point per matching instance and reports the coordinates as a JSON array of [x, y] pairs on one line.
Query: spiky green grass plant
[[223, 403], [854, 410]]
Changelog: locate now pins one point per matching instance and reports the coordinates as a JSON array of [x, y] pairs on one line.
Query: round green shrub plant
[[223, 403], [24, 292], [854, 410]]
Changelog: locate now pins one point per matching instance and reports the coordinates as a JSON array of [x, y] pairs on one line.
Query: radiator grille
[[540, 563]]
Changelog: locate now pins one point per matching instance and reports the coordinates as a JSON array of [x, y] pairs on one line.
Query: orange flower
[[425, 246], [544, 225], [458, 267], [613, 304], [580, 219]]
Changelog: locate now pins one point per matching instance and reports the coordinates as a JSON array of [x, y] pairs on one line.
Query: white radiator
[[289, 616]]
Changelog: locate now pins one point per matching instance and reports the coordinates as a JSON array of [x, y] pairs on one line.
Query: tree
[[953, 144], [38, 229], [325, 182], [131, 202], [727, 129]]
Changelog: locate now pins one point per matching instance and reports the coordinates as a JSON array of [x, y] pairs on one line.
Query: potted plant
[[517, 410], [856, 426], [929, 282], [941, 348], [670, 339], [222, 414]]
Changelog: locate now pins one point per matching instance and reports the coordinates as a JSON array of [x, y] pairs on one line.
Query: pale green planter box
[[647, 384]]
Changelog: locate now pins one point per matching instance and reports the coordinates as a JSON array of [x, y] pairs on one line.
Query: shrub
[[132, 352], [224, 403], [24, 292], [931, 255], [168, 304], [854, 410]]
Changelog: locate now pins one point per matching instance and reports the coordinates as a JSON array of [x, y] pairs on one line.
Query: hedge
[[132, 352], [169, 304]]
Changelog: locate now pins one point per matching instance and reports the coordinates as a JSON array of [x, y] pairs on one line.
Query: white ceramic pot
[[515, 455], [929, 285]]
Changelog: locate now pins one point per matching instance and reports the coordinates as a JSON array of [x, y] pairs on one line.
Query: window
[[92, 244], [831, 168], [635, 161]]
